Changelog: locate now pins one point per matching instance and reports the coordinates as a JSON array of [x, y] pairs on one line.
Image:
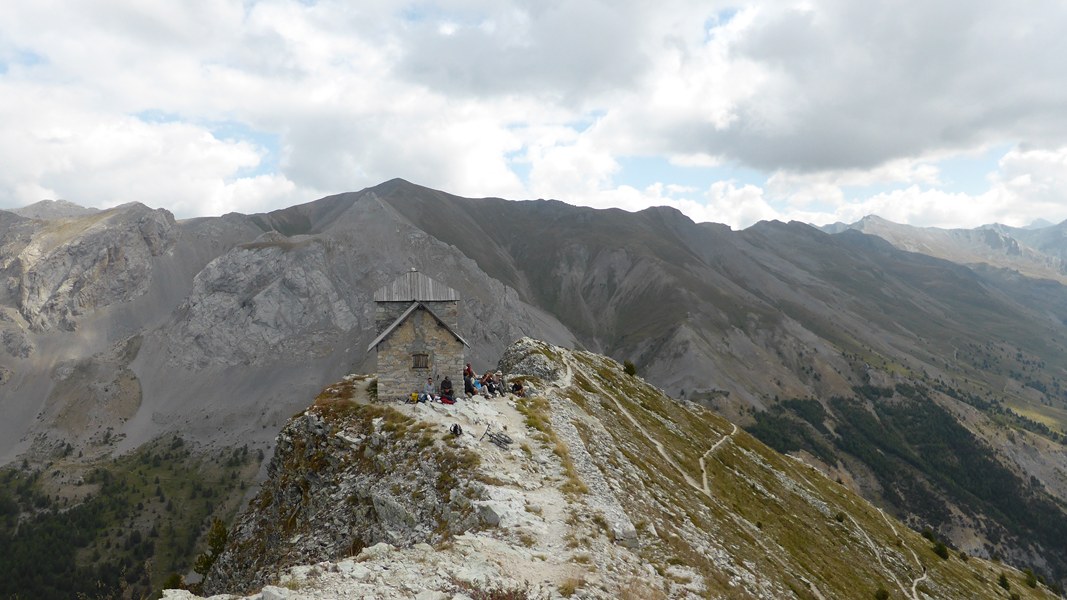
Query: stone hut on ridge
[[418, 321]]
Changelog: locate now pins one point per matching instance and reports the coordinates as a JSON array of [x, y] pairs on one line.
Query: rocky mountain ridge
[[228, 315], [1037, 252], [121, 326], [609, 489]]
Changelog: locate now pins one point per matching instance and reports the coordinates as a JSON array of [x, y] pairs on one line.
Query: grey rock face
[[72, 267], [16, 343], [273, 295], [307, 295], [1037, 253]]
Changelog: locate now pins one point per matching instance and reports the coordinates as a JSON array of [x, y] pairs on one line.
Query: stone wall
[[420, 333], [387, 312]]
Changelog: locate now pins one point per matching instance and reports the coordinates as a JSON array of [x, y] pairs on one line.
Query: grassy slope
[[925, 462], [767, 517]]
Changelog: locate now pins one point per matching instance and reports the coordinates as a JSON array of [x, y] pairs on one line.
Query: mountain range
[[924, 369]]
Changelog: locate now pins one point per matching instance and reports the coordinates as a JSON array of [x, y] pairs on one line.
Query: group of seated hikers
[[490, 384]]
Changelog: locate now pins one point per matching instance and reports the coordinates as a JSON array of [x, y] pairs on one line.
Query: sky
[[930, 113]]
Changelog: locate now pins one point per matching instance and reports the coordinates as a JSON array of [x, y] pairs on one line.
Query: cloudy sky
[[932, 112]]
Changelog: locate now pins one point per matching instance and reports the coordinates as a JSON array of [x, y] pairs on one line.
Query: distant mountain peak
[[399, 185], [53, 209], [873, 218]]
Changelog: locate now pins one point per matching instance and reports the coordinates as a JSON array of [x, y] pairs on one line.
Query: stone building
[[418, 321]]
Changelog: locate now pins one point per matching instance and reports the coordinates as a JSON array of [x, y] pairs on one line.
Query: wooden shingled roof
[[415, 287]]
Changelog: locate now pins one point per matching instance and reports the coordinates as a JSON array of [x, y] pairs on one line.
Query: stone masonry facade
[[420, 334]]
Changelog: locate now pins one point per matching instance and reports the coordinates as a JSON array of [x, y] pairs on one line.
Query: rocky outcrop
[[530, 358], [16, 343], [385, 572], [346, 476]]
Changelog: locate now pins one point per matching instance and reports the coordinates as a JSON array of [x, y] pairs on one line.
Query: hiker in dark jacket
[[447, 394], [468, 385]]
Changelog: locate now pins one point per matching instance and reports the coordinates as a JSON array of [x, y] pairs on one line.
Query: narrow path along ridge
[[637, 426], [705, 489], [568, 379]]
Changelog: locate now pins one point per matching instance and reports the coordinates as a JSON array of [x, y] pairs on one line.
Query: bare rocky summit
[[53, 209]]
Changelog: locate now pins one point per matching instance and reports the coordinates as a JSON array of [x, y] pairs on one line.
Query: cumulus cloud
[[1030, 184], [842, 109], [563, 50], [851, 85], [1027, 186], [110, 159]]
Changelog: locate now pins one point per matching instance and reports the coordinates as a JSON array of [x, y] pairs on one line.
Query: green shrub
[[941, 549], [881, 594], [1002, 581], [629, 368], [174, 581], [216, 542]]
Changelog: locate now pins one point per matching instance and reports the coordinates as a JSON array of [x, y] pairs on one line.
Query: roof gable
[[403, 317], [414, 286]]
